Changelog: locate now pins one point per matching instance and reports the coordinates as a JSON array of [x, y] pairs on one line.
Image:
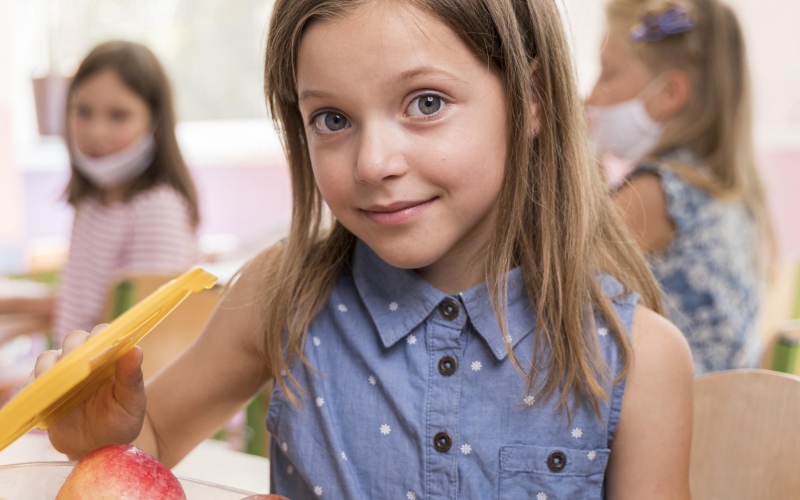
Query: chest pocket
[[541, 473]]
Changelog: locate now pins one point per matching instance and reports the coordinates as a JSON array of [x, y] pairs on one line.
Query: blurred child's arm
[[200, 391], [650, 452], [42, 306], [643, 206]]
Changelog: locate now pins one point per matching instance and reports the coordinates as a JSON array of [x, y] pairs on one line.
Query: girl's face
[[406, 133], [106, 115], [622, 76]]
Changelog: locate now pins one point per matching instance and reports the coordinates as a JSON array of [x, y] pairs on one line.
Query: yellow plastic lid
[[82, 372]]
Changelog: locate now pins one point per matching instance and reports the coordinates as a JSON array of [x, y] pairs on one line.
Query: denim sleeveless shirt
[[709, 273], [414, 398]]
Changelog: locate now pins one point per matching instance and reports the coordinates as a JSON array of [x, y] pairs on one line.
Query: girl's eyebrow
[[428, 71], [394, 81]]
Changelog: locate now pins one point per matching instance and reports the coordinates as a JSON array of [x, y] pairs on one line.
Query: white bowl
[[42, 480]]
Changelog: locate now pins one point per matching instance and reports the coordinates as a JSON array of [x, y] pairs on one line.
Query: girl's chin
[[400, 256]]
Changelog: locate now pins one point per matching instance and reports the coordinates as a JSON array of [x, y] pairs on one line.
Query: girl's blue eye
[[326, 123], [425, 105]]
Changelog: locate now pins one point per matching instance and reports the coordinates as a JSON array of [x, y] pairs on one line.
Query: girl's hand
[[113, 415]]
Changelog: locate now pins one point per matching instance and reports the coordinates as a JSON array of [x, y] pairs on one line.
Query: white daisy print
[[466, 449], [529, 400], [290, 470], [576, 433], [318, 490], [508, 338], [344, 457], [385, 429], [284, 447], [592, 454], [372, 380], [342, 308], [602, 332], [541, 496], [411, 495], [476, 366], [393, 306], [317, 341], [320, 402], [411, 339]]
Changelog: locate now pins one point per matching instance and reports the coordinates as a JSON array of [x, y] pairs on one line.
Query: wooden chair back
[[746, 436], [176, 332]]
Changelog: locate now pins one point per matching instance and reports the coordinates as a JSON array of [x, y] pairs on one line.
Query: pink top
[[150, 233]]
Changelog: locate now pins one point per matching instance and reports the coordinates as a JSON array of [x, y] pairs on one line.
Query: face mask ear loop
[[653, 88], [154, 125]]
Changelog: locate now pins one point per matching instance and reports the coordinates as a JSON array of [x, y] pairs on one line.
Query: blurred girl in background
[[135, 203], [674, 96]]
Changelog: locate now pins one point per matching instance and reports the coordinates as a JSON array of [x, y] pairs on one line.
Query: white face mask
[[625, 129], [116, 168]]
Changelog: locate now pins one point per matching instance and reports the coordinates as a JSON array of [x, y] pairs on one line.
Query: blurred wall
[[246, 201], [11, 220]]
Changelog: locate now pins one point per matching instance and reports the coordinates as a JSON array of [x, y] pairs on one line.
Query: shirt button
[[556, 461], [448, 365], [449, 309], [442, 442]]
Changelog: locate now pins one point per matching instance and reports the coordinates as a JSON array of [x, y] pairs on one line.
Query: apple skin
[[121, 472]]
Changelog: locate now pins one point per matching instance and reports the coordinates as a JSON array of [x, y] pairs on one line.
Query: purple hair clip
[[654, 28]]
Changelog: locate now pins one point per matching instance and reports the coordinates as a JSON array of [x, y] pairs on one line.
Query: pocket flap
[[527, 458]]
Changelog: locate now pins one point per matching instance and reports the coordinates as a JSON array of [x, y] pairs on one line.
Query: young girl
[[674, 94], [135, 203], [455, 333]]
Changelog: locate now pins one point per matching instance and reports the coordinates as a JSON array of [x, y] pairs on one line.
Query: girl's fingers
[[99, 328], [30, 380], [73, 340], [45, 361], [129, 381]]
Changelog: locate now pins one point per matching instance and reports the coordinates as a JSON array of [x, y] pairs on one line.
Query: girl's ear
[[534, 106], [673, 96]]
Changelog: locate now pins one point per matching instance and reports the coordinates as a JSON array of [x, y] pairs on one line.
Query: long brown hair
[[140, 70], [716, 124], [555, 220]]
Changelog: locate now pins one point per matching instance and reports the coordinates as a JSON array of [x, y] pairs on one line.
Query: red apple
[[120, 472]]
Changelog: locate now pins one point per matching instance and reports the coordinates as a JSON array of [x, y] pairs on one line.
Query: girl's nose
[[379, 155], [97, 130]]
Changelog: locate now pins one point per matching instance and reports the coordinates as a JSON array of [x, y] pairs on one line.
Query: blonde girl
[[135, 202], [674, 94], [456, 331]]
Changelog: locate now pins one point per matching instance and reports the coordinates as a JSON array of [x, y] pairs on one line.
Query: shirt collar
[[398, 300], [521, 320]]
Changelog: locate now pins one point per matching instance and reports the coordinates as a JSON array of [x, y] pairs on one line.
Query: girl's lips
[[396, 214]]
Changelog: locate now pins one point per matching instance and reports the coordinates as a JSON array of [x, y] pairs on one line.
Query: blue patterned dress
[[709, 273]]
